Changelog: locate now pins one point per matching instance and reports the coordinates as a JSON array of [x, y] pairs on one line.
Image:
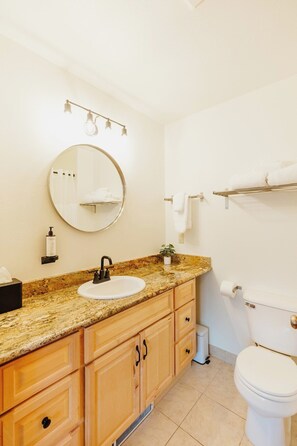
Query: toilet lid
[[267, 371]]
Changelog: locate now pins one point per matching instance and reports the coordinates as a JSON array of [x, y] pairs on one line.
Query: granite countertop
[[53, 309]]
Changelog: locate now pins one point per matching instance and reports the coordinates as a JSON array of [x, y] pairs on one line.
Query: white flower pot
[[167, 260]]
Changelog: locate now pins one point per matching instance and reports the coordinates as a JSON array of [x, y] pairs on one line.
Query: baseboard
[[219, 353]]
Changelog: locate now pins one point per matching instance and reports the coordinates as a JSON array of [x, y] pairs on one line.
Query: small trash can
[[202, 356]]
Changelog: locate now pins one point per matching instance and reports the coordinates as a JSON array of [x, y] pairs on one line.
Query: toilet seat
[[271, 375]]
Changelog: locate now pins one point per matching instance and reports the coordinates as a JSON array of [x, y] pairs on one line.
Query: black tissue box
[[10, 295]]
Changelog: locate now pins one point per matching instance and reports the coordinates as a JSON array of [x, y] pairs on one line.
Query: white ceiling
[[162, 56]]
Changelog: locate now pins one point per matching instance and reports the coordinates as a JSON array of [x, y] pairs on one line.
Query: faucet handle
[[96, 277]]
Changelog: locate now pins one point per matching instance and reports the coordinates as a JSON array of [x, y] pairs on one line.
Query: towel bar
[[200, 196]]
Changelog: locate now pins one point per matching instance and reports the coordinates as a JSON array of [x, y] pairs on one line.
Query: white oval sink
[[115, 288]]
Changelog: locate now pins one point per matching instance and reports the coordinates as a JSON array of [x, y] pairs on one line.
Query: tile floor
[[202, 409]]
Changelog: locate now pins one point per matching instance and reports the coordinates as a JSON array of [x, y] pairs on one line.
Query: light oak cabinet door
[[157, 360], [112, 393], [46, 417]]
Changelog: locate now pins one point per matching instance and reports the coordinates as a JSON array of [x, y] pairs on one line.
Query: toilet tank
[[269, 318]]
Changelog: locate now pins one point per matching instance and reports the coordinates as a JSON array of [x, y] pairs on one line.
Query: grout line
[[198, 442], [171, 436], [190, 409], [222, 405]]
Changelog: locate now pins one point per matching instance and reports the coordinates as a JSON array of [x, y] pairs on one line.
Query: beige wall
[[33, 131], [255, 241]]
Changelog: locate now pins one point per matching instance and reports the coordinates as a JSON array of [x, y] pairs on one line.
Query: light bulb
[[124, 131], [108, 124], [90, 126], [67, 107]]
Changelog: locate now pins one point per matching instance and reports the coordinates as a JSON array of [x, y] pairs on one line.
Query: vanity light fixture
[[90, 126], [67, 107]]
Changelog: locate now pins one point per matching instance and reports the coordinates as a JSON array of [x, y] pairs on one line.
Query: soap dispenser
[[50, 243], [50, 248]]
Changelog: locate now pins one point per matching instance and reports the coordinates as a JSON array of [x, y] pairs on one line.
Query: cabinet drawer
[[184, 293], [45, 417], [107, 334], [185, 351], [185, 320], [35, 371]]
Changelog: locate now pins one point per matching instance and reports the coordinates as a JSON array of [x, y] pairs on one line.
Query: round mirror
[[87, 188]]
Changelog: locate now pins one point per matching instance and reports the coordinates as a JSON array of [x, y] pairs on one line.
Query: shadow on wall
[[225, 317]]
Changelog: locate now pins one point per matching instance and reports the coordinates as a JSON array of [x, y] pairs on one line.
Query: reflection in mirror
[[87, 188]]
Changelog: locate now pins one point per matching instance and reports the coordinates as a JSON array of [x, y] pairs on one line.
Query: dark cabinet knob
[[188, 351], [188, 319], [46, 422]]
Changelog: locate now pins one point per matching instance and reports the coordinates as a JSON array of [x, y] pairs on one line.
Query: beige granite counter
[[52, 308]]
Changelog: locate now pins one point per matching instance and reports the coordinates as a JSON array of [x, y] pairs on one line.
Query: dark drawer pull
[[188, 319], [46, 422], [145, 344], [138, 360], [188, 351]]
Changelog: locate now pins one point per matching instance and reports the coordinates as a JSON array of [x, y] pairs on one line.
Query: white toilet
[[265, 375]]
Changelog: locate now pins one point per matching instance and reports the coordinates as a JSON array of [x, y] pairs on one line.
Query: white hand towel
[[178, 202], [287, 175], [182, 220]]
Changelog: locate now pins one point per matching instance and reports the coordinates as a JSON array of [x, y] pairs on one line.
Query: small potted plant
[[167, 251]]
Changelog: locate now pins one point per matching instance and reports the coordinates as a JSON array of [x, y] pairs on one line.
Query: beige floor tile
[[294, 431], [245, 441], [155, 430], [215, 362], [222, 389], [178, 402], [181, 438], [200, 376], [213, 425]]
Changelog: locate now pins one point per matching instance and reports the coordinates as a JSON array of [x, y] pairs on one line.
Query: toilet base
[[265, 431]]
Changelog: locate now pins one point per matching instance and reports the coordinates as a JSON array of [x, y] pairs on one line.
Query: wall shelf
[[255, 190]]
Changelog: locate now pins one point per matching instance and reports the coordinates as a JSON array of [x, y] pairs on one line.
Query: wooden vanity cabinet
[[122, 382], [130, 359], [42, 394]]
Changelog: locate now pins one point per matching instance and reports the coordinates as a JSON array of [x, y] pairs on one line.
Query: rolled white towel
[[257, 177], [273, 165], [287, 175], [98, 195], [246, 180]]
